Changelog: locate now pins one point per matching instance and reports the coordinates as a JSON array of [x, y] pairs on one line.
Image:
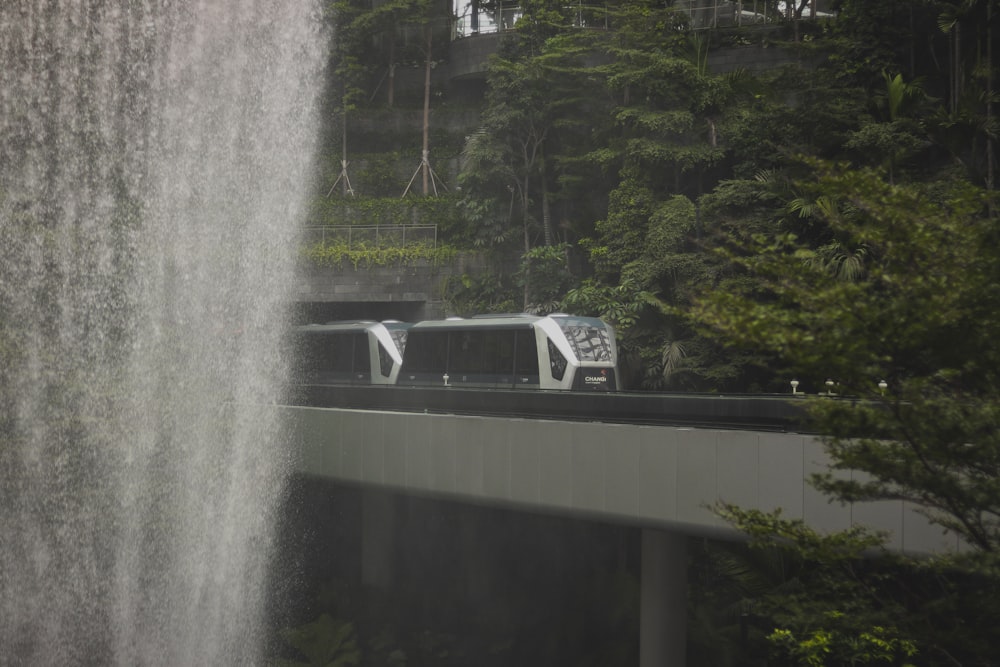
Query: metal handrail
[[485, 23], [702, 14], [398, 235]]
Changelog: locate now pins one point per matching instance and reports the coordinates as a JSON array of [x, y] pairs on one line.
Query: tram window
[[384, 361], [307, 357], [498, 352], [466, 352], [413, 360], [361, 361], [321, 354], [526, 353], [332, 353], [399, 338], [557, 362], [426, 352], [590, 343]]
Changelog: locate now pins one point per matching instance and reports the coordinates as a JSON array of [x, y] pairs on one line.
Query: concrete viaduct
[[660, 478]]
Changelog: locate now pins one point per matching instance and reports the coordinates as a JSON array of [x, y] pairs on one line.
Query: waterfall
[[155, 158]]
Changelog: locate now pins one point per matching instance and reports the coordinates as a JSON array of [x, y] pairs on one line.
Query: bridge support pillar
[[378, 520], [663, 600]]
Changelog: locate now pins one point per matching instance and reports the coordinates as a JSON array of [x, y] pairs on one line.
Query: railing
[[702, 14], [372, 235], [469, 22], [706, 14]]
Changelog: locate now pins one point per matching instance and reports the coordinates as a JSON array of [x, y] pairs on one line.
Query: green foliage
[[670, 258], [492, 292], [900, 97], [927, 271], [440, 211], [597, 138], [625, 143], [651, 350], [379, 174], [827, 602], [888, 143], [920, 314], [664, 100], [817, 648], [348, 54], [870, 37], [842, 599], [523, 167], [657, 247], [487, 227], [325, 642], [363, 256], [898, 135], [621, 305], [810, 599], [621, 236], [922, 261], [545, 276], [387, 19]]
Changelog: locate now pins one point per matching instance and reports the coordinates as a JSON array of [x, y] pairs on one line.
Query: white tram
[[350, 352], [514, 351]]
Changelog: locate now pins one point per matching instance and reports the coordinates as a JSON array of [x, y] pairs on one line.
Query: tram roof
[[340, 325]]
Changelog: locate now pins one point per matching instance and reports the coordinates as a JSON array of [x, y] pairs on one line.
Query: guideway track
[[760, 412]]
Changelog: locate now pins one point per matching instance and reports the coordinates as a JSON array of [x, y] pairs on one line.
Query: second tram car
[[515, 351], [350, 352]]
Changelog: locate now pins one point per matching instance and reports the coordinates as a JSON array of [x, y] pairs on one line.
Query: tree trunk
[[392, 72], [527, 241], [546, 216], [345, 185], [546, 210], [989, 95], [425, 164], [956, 72], [913, 45]]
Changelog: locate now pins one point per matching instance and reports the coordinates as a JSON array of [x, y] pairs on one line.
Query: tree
[[806, 598], [966, 126], [921, 317], [664, 99], [386, 25], [950, 42], [899, 135], [359, 27], [519, 119], [663, 137], [539, 91], [629, 309], [908, 339], [349, 75]]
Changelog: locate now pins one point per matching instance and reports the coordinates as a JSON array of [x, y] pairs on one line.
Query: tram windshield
[[399, 338], [589, 339]]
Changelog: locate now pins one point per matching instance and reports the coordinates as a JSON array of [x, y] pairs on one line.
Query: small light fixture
[[795, 386], [882, 386]]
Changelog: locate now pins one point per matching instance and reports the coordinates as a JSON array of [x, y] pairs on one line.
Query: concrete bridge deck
[[662, 479], [655, 476]]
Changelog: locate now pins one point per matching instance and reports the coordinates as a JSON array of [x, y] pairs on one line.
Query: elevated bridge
[[655, 460], [658, 463]]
